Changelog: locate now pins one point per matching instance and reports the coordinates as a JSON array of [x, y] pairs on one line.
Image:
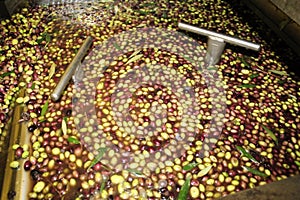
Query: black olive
[[69, 112], [75, 100], [32, 128], [163, 197], [162, 190], [111, 197], [11, 195], [35, 174]]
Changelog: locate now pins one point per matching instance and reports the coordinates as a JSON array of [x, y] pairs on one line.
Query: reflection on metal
[[215, 47], [15, 180], [216, 42], [71, 69]]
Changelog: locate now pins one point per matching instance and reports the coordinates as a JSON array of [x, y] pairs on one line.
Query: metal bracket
[[216, 42]]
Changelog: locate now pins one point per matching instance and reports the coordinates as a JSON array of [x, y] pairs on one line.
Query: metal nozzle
[[214, 50], [216, 43]]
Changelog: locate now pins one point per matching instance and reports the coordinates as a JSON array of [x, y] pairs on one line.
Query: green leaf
[[102, 186], [116, 45], [136, 172], [253, 76], [44, 37], [135, 58], [148, 4], [190, 166], [281, 82], [188, 59], [212, 68], [6, 74], [40, 40], [271, 134], [47, 38], [247, 85], [32, 86], [101, 152], [164, 15], [184, 191], [142, 12], [247, 64], [284, 23], [73, 140], [255, 171], [245, 153], [204, 171], [52, 70], [281, 73], [64, 127], [135, 53], [45, 108]]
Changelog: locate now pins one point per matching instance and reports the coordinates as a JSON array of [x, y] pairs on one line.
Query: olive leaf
[[64, 126], [271, 134], [281, 82], [247, 85], [284, 23], [135, 58], [135, 172], [164, 15], [183, 193], [143, 12], [148, 4], [6, 74], [253, 76], [44, 108], [245, 153], [44, 37], [188, 59], [135, 53], [102, 186], [117, 46], [190, 166], [52, 70], [32, 86], [101, 152], [40, 40], [247, 64], [73, 140], [204, 171], [255, 171], [293, 96], [281, 73], [212, 68], [47, 38]]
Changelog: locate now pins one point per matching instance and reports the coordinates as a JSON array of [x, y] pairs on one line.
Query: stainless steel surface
[[17, 180], [227, 39], [215, 47], [71, 69], [9, 7], [56, 2], [287, 189], [277, 20], [290, 8]]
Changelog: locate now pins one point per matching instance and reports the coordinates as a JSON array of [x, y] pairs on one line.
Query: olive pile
[[75, 154]]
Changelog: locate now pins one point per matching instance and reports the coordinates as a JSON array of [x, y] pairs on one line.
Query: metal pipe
[[228, 39], [71, 69]]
